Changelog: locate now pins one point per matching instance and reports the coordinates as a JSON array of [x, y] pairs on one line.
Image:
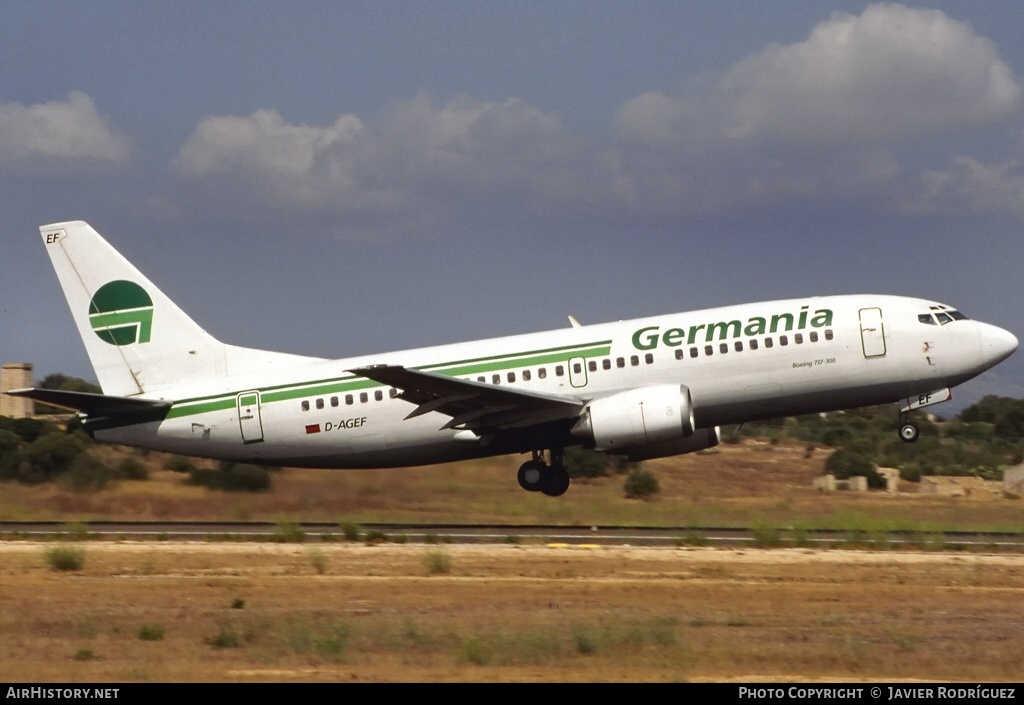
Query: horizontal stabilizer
[[92, 404]]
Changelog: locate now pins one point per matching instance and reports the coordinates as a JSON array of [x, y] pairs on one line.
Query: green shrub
[[88, 473], [846, 463], [49, 456], [580, 462], [318, 560], [151, 632], [349, 531], [132, 469], [641, 484], [437, 562], [225, 638], [179, 463], [288, 532], [63, 557], [231, 477]]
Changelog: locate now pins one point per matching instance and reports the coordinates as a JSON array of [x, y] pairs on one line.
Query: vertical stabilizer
[[137, 339]]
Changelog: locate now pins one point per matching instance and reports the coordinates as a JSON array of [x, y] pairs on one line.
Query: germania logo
[[121, 313]]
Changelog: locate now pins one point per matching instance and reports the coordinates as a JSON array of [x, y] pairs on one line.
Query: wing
[[471, 405]]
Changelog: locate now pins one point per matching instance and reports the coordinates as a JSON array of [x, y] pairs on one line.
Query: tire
[[532, 475], [909, 433], [557, 483]]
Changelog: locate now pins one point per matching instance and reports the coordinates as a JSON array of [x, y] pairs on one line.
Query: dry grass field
[[211, 611], [733, 485], [354, 612]]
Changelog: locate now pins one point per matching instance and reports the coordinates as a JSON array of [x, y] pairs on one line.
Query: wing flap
[[472, 405]]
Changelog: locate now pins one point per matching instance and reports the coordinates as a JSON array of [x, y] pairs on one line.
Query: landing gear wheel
[[909, 432], [532, 474], [557, 482]]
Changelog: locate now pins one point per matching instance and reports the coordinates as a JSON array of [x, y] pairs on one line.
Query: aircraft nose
[[997, 344]]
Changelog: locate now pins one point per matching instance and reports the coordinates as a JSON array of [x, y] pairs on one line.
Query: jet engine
[[702, 438], [643, 416]]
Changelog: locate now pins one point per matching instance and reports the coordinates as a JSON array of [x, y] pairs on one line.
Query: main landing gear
[[908, 431], [537, 476]]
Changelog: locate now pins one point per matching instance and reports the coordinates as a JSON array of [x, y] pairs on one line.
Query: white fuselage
[[740, 363]]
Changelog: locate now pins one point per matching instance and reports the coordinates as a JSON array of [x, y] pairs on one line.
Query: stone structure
[[1013, 480], [15, 375]]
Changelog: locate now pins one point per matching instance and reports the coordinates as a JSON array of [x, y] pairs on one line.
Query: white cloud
[[414, 162], [968, 185], [824, 122], [890, 73], [59, 137], [832, 118]]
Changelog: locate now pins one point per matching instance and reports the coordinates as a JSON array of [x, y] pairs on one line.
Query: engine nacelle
[[702, 438], [639, 417]]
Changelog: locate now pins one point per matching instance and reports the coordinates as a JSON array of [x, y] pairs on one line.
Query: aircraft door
[[872, 332], [578, 372], [249, 419]]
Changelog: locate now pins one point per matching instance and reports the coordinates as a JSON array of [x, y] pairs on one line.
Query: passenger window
[[305, 406], [559, 370], [679, 353], [378, 395], [926, 318], [753, 344], [649, 358], [739, 346], [620, 362], [768, 342], [693, 352], [364, 397], [542, 373], [576, 368], [783, 340], [828, 334], [798, 338], [348, 399], [814, 336], [319, 403], [482, 379], [634, 360], [526, 375], [723, 348], [606, 364], [511, 377], [496, 379], [393, 393], [708, 350], [334, 401], [592, 366]]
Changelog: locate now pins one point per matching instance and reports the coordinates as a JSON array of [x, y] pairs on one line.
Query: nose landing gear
[[908, 431], [537, 476]]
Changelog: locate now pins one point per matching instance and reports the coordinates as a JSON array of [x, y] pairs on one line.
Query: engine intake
[[637, 417]]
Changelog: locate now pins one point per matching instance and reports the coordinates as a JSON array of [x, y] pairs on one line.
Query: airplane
[[644, 388]]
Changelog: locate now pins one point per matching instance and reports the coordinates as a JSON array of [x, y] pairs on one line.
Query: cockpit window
[[944, 315]]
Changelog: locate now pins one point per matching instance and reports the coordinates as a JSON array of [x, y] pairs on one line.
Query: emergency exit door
[[249, 419]]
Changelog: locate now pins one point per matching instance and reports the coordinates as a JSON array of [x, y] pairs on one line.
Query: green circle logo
[[121, 313]]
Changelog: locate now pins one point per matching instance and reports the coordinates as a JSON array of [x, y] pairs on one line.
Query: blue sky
[[341, 178]]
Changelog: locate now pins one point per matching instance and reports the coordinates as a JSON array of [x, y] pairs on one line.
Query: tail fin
[[137, 339]]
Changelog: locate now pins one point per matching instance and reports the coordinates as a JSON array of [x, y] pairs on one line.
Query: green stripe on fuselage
[[338, 385]]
